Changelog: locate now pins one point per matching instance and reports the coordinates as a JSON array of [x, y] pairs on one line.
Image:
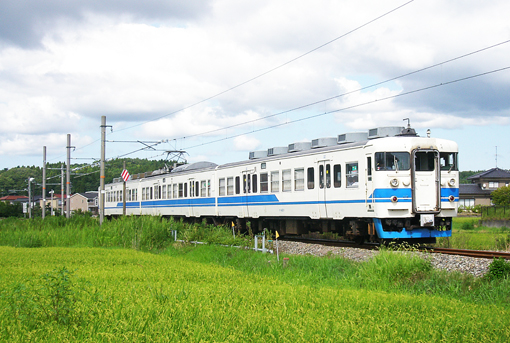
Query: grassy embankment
[[213, 293], [468, 234]]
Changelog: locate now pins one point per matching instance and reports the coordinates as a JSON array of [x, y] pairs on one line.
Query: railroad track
[[371, 246]]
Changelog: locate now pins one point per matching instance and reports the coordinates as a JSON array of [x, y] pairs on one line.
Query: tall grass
[[137, 232], [126, 295]]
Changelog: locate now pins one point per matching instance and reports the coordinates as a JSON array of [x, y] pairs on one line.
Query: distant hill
[[84, 178]]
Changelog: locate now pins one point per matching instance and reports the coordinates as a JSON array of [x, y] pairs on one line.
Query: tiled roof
[[472, 189], [494, 173], [13, 197]]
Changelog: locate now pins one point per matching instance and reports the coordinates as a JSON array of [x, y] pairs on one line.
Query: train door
[[191, 182], [324, 168], [425, 181], [369, 189], [249, 184]]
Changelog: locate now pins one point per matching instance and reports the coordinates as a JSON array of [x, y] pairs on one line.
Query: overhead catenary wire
[[353, 106], [272, 69]]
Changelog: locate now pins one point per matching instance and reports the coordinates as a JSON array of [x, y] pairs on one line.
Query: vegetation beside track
[[214, 293]]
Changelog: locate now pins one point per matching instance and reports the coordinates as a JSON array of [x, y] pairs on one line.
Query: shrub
[[498, 269]]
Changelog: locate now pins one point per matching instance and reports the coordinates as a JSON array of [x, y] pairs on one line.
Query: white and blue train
[[387, 183]]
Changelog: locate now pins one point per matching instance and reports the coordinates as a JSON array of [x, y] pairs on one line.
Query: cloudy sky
[[220, 78]]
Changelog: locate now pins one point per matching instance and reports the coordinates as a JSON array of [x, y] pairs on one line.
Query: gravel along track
[[475, 266]]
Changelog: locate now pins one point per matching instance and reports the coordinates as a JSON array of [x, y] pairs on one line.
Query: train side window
[[321, 176], [136, 195], [238, 185], [286, 180], [275, 181], [264, 186], [351, 175], [203, 188], [163, 192], [181, 190], [156, 192], [185, 190], [311, 178], [328, 176], [254, 183], [176, 191], [191, 189], [246, 183], [197, 186], [299, 179], [208, 188], [221, 186], [230, 186], [337, 176]]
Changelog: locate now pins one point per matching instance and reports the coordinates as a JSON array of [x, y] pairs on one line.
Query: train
[[387, 183]]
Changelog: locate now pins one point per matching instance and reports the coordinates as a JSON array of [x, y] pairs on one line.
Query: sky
[[221, 78]]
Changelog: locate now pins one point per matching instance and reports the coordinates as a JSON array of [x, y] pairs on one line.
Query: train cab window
[[299, 179], [264, 186], [221, 187], [448, 161], [310, 178], [337, 176], [238, 185], [424, 160], [254, 183], [230, 186], [203, 188], [275, 181], [351, 175], [392, 161], [286, 180]]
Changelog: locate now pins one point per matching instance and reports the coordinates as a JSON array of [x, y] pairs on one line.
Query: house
[[57, 201], [14, 198], [481, 187], [85, 202]]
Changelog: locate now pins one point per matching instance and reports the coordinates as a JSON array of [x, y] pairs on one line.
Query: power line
[[271, 70], [344, 94], [351, 107]]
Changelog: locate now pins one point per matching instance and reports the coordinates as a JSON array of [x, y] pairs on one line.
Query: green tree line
[[83, 177]]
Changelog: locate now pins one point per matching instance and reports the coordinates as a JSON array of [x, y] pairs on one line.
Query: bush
[[498, 269]]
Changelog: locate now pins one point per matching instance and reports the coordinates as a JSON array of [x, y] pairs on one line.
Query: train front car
[[413, 187]]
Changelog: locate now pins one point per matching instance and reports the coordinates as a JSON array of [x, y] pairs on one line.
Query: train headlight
[[394, 183], [451, 198], [394, 199], [451, 182]]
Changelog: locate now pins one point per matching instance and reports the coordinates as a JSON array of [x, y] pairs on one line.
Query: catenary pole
[[44, 183], [68, 177], [102, 171]]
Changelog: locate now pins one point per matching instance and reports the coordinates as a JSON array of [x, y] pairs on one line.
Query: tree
[[501, 196]]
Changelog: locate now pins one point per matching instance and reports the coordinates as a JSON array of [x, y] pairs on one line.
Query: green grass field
[[63, 281], [115, 295]]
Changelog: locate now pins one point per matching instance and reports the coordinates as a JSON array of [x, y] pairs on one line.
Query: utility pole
[[124, 193], [102, 171], [44, 183], [30, 179], [68, 172]]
